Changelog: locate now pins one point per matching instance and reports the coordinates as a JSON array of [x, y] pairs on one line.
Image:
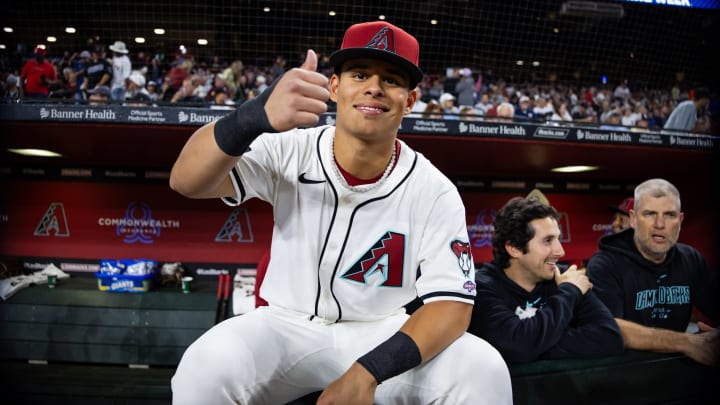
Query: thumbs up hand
[[299, 97]]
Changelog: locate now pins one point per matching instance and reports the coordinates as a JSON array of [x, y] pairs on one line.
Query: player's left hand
[[355, 387]]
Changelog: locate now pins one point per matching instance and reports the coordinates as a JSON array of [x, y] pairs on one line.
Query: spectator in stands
[[220, 100], [152, 90], [436, 88], [98, 72], [37, 75], [465, 88], [251, 94], [233, 75], [561, 112], [622, 91], [525, 306], [543, 109], [467, 113], [65, 87], [99, 96], [174, 79], [582, 112], [650, 282], [121, 70], [621, 215], [136, 92], [278, 67], [452, 77], [187, 93], [484, 104], [433, 110], [505, 111], [634, 114], [260, 83], [11, 90], [450, 110], [685, 116], [79, 68], [613, 123], [524, 111]]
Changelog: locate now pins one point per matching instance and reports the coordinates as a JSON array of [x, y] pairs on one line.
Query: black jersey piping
[[332, 221], [241, 188]]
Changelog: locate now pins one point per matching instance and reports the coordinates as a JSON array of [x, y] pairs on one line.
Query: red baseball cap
[[380, 40], [624, 207]]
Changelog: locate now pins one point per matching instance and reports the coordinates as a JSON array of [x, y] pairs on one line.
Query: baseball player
[[363, 225]]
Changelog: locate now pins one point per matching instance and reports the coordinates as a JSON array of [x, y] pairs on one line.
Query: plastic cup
[[51, 278], [186, 281]]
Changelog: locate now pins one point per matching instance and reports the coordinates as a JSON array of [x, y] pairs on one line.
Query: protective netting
[[650, 45]]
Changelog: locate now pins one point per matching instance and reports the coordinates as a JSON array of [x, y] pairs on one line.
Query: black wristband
[[236, 131], [392, 357]]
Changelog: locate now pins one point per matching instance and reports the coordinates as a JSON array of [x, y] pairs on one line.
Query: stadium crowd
[[113, 74]]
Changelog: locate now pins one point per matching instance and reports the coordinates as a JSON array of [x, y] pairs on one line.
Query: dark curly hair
[[512, 225]]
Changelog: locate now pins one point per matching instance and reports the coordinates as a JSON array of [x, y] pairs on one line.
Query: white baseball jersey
[[345, 255], [340, 254]]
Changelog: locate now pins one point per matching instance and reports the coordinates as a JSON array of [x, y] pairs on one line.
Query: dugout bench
[[75, 344]]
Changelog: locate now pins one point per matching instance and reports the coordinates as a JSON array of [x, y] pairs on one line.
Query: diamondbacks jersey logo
[[237, 226], [384, 40], [382, 264], [462, 252], [53, 223]]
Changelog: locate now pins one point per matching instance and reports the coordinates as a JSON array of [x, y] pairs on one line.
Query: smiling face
[[372, 98], [657, 223], [543, 251]]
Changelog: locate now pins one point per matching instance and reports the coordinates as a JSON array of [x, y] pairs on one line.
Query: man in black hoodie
[[525, 306], [650, 283]]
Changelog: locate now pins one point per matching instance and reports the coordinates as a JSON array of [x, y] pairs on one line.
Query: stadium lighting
[[519, 62], [434, 22], [381, 17], [159, 31], [202, 41], [332, 13], [140, 40], [8, 29], [574, 169], [2, 46], [51, 39], [536, 63], [266, 9], [35, 152], [70, 30]]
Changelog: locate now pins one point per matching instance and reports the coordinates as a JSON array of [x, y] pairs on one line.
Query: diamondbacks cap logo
[[380, 40], [53, 223], [384, 40]]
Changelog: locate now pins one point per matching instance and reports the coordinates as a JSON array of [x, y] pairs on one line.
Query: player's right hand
[[574, 276], [299, 97]]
